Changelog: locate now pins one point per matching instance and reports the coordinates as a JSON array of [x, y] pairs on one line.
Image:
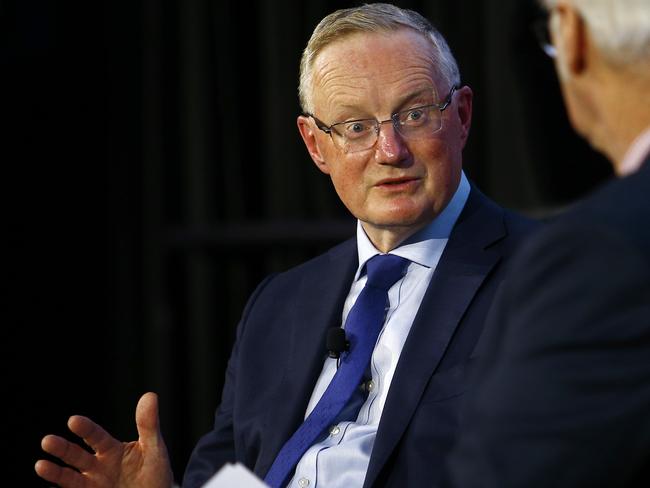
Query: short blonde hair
[[375, 17]]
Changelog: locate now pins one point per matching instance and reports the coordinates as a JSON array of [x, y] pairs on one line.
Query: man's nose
[[391, 147]]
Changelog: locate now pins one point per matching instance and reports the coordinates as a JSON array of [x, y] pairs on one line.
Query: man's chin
[[397, 220]]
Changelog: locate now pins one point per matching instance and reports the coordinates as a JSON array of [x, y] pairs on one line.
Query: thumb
[[146, 418]]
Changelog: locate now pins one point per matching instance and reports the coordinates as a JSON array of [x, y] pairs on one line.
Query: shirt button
[[334, 430], [370, 386], [303, 482]]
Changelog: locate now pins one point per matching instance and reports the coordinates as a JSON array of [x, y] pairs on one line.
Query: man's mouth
[[396, 183]]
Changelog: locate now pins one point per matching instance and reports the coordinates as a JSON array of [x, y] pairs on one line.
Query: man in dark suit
[[386, 117], [564, 398]]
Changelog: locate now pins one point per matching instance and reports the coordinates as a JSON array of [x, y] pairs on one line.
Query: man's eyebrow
[[342, 111], [406, 99]]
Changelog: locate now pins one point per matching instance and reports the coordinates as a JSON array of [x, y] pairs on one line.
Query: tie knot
[[385, 269]]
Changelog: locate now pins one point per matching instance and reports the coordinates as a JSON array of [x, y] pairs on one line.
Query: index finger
[[93, 434]]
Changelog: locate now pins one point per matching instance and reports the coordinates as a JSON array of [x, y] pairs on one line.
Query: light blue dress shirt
[[340, 460]]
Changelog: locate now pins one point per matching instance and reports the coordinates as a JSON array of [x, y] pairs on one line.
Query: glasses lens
[[419, 122], [356, 135]]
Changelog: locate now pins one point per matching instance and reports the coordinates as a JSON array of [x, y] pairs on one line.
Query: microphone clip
[[336, 342]]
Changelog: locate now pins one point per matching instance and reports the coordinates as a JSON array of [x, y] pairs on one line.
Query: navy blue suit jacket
[[564, 397], [280, 349]]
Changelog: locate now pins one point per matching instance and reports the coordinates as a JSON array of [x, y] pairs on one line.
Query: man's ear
[[572, 38], [464, 97], [307, 129]]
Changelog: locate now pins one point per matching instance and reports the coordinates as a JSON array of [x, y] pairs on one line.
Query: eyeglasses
[[415, 123], [541, 30]]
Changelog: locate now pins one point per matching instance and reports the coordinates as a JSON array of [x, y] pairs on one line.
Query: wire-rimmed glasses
[[414, 123]]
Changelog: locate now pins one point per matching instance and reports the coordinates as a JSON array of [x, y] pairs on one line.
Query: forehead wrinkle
[[386, 93], [351, 76], [333, 85]]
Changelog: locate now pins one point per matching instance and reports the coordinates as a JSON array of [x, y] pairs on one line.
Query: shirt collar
[[425, 246], [636, 154]]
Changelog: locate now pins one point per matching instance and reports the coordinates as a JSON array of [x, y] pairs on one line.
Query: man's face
[[398, 182]]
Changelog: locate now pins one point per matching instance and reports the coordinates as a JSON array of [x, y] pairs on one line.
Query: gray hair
[[376, 17], [620, 28]]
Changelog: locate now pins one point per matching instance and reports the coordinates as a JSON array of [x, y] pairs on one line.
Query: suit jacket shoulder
[[563, 397], [622, 206]]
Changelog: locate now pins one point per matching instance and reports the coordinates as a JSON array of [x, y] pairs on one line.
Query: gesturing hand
[[139, 464]]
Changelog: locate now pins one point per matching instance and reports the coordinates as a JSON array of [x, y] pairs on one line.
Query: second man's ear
[[571, 35]]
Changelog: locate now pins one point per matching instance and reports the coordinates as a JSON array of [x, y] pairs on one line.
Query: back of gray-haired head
[[375, 17], [620, 28]]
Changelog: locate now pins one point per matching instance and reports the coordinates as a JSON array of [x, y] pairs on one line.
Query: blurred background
[[154, 175]]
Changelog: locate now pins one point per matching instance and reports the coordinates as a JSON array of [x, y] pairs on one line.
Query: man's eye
[[356, 127], [415, 115]]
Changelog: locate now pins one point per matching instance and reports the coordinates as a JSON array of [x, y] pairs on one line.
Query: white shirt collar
[[423, 247], [636, 154]]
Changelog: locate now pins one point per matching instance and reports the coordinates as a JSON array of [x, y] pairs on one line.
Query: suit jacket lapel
[[318, 305], [462, 268]]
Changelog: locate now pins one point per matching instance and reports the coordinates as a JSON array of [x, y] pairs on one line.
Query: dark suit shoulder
[[516, 227], [343, 254], [519, 226], [619, 209], [566, 372]]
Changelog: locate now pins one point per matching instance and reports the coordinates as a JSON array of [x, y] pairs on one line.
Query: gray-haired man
[[564, 397]]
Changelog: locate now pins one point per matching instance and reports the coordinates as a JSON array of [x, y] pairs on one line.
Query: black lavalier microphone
[[336, 342]]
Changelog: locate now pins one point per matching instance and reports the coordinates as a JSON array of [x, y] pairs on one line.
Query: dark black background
[[153, 175]]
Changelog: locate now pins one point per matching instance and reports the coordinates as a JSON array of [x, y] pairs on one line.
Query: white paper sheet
[[235, 475]]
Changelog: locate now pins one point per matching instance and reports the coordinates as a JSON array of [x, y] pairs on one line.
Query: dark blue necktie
[[362, 328]]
